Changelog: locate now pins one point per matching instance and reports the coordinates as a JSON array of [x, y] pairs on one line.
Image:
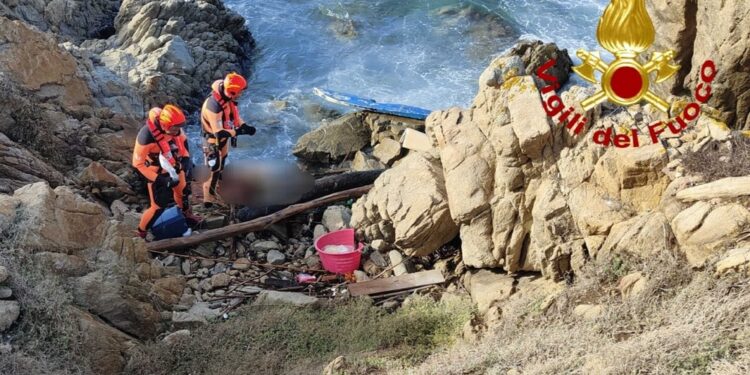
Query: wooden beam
[[397, 283], [256, 224]]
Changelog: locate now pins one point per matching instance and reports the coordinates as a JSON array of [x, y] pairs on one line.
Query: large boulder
[[334, 141], [34, 60], [407, 207], [643, 236], [535, 53], [120, 299], [58, 220], [703, 229], [104, 346]]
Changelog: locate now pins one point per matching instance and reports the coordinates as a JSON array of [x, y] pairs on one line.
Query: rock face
[[715, 30], [49, 119], [120, 300], [407, 207], [171, 51], [105, 347], [75, 19]]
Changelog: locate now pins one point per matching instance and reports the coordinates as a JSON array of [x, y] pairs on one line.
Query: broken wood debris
[[397, 283], [255, 224]]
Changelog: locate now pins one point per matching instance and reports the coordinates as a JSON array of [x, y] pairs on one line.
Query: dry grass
[[684, 322], [292, 340], [718, 160], [45, 338]]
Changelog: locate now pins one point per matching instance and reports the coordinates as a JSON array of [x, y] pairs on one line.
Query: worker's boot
[[210, 198]]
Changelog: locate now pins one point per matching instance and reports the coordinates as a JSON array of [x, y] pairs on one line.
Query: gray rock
[[204, 310], [396, 258], [275, 257], [183, 320], [207, 263], [205, 250], [264, 246], [336, 217], [186, 267], [318, 231], [202, 273], [313, 262], [3, 274], [332, 142], [378, 259], [5, 292], [219, 268], [174, 337], [9, 312], [269, 297]]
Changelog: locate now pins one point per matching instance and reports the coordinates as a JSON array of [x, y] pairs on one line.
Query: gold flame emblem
[[626, 30]]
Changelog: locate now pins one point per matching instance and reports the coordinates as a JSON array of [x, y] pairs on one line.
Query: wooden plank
[[393, 284], [254, 225]]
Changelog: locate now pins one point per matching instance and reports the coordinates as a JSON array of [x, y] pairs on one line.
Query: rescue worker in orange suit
[[221, 124], [163, 135]]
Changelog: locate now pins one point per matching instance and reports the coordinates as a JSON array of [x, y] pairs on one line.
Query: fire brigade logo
[[626, 31]]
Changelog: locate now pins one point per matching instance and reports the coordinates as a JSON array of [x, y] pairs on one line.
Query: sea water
[[425, 53]]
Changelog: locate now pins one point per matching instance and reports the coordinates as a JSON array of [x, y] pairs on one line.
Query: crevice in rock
[[685, 53]]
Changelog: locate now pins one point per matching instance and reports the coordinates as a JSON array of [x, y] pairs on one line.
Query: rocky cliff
[[525, 194], [700, 30], [76, 78]]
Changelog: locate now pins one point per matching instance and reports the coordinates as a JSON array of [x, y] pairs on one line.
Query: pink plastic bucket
[[339, 263]]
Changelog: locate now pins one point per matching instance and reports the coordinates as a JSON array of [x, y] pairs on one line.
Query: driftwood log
[[323, 186], [255, 224]]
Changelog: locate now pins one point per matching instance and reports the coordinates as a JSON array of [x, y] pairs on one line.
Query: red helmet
[[234, 84], [169, 116]]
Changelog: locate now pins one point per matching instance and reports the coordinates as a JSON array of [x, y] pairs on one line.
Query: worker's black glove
[[186, 164], [163, 180], [246, 129]]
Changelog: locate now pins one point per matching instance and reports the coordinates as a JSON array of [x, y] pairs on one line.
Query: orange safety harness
[[161, 138]]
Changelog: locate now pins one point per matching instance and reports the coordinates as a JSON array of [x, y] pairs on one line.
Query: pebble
[[202, 273], [5, 292], [242, 264], [220, 280], [313, 262], [207, 263], [276, 257], [219, 268], [265, 246], [186, 267]]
